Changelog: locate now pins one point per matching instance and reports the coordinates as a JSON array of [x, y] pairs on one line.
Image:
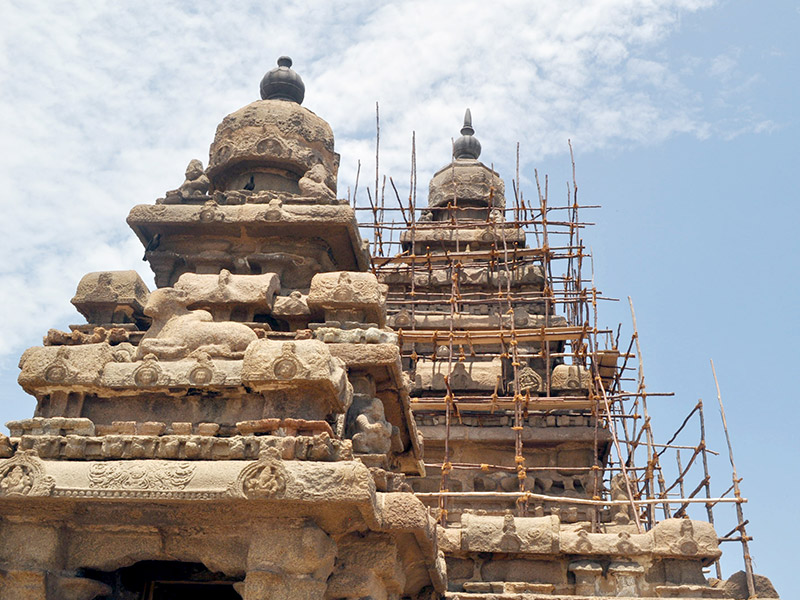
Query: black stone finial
[[467, 128], [467, 146], [283, 83]]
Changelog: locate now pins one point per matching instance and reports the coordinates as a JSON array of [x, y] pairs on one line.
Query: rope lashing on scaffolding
[[485, 467], [446, 468], [469, 342], [524, 498], [522, 472]]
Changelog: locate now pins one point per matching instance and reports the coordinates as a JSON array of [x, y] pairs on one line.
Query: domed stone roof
[[466, 180], [272, 135]]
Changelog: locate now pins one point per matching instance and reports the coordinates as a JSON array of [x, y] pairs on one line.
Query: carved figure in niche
[[195, 185], [177, 331], [149, 373], [23, 475], [267, 481], [459, 378], [203, 373], [265, 478], [529, 380], [372, 432], [687, 545], [313, 184], [16, 481], [620, 514], [510, 541]]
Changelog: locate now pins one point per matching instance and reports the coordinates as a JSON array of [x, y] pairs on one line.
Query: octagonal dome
[[271, 144], [467, 182]]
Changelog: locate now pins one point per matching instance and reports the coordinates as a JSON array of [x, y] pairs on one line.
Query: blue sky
[[682, 114]]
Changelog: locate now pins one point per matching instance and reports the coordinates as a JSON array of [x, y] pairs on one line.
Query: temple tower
[[508, 395], [244, 429], [253, 427]]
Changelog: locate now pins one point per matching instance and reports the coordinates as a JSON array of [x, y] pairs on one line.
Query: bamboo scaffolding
[[748, 565], [492, 336], [707, 479], [583, 501], [431, 263], [487, 467]]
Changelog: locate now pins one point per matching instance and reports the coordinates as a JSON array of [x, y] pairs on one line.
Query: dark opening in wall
[[165, 580]]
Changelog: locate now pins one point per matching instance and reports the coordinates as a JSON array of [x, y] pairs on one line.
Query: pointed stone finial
[[467, 128], [467, 146], [283, 83]]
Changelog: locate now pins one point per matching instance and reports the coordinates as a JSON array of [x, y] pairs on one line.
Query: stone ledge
[[319, 447]]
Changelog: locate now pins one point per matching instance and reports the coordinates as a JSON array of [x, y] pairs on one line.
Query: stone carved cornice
[[268, 478]]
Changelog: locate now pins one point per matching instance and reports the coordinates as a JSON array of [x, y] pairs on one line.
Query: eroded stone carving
[[111, 297], [313, 184], [23, 475], [358, 335], [177, 331], [496, 534], [156, 475], [570, 378], [276, 133], [370, 431], [195, 186], [467, 180], [149, 373], [293, 305], [346, 296], [57, 366], [265, 478], [203, 373], [271, 364], [619, 491], [229, 289], [529, 380]]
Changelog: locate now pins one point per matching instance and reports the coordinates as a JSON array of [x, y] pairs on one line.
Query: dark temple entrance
[[166, 580]]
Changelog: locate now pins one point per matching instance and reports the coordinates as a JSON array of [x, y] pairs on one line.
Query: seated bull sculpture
[[177, 332]]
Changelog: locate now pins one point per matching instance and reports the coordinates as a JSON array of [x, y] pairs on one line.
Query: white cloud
[[103, 104]]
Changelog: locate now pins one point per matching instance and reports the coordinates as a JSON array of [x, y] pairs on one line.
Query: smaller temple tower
[[508, 396]]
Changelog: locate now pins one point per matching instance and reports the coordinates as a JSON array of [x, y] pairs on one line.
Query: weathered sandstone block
[[350, 294]]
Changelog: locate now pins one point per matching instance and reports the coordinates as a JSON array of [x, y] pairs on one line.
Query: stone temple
[[296, 413]]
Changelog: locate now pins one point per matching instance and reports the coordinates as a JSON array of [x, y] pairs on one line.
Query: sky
[[682, 114]]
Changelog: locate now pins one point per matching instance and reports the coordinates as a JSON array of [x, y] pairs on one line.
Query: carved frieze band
[[141, 476], [24, 475], [144, 494]]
